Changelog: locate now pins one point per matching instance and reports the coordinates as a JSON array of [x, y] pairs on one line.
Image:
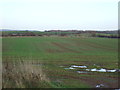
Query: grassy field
[[40, 62]]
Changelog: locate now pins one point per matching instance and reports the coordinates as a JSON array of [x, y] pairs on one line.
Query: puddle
[[81, 72], [117, 70], [69, 68], [75, 66], [117, 89], [99, 85]]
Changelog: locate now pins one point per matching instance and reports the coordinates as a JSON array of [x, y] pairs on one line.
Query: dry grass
[[23, 74]]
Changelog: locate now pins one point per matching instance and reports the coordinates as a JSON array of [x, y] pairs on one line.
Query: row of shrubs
[[30, 33], [106, 35]]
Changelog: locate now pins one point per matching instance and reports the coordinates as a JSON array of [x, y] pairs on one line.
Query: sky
[[59, 14]]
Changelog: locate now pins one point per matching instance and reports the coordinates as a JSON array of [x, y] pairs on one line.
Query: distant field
[[53, 54]]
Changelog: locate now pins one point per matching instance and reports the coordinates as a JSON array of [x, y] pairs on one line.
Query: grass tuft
[[23, 74]]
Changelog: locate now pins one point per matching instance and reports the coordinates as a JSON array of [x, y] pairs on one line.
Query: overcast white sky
[[59, 14]]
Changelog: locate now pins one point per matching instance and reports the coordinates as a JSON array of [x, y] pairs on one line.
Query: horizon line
[[61, 29]]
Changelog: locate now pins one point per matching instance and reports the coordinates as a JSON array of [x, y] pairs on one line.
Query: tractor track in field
[[93, 81], [62, 46], [53, 50], [94, 45]]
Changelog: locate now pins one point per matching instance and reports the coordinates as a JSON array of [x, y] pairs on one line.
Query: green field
[[53, 54]]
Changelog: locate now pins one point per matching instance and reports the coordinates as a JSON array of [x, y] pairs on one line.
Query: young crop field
[[44, 62]]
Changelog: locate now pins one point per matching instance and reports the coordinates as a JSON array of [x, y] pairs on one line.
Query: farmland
[[50, 55]]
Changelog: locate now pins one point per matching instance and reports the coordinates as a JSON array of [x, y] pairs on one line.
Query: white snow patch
[[75, 66], [111, 70], [94, 69], [97, 70], [99, 85], [87, 69], [102, 70]]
